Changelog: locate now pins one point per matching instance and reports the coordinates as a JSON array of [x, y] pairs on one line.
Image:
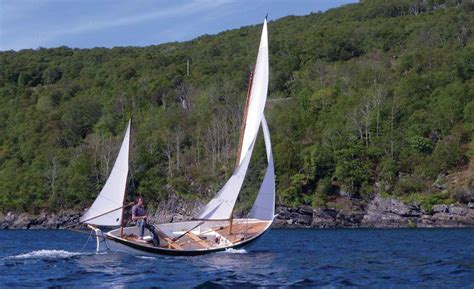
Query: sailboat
[[214, 228]]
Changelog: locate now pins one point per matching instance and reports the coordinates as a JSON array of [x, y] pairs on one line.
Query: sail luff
[[113, 193]]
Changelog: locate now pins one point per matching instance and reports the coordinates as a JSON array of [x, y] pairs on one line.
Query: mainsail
[[222, 205], [112, 194], [258, 95]]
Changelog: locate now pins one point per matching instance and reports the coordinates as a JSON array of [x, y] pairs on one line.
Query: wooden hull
[[199, 240]]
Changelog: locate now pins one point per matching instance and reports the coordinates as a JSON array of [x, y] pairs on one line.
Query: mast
[[244, 119], [222, 205], [125, 193], [242, 130]]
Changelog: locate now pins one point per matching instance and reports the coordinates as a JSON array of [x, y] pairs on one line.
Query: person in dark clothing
[[139, 215]]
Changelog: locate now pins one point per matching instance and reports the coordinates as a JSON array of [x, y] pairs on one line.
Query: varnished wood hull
[[243, 235]]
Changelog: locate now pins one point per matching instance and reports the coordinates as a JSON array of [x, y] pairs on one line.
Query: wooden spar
[[108, 212], [244, 119], [182, 235], [242, 131], [122, 207], [85, 233], [121, 218]]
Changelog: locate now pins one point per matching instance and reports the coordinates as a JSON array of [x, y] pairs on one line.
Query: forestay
[[112, 194], [264, 206]]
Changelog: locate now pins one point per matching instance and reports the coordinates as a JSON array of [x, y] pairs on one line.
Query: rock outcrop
[[176, 209], [378, 213], [41, 221], [342, 211]]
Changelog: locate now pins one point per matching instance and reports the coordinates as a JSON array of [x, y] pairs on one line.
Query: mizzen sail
[[112, 194]]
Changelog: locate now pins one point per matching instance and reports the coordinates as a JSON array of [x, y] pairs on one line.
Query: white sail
[[112, 194], [222, 205], [264, 206], [258, 95]]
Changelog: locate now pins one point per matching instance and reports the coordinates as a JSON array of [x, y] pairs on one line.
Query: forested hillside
[[375, 97]]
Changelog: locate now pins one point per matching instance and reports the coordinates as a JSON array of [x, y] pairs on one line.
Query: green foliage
[[427, 201], [421, 144], [324, 188], [367, 94], [351, 169], [292, 194], [409, 185]]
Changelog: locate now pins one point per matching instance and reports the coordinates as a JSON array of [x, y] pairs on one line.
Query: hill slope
[[379, 99]]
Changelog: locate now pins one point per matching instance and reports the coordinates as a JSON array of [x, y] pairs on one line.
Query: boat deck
[[219, 236]]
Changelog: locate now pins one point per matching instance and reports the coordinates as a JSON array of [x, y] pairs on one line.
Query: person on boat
[[139, 215]]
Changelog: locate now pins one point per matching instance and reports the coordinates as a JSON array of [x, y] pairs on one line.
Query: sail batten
[[112, 194]]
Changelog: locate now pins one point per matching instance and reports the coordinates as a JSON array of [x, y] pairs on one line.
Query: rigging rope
[[90, 235]]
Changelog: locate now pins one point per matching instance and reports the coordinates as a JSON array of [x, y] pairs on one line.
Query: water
[[440, 258]]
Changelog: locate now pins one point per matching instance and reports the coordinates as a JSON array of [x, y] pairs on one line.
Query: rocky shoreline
[[379, 213], [343, 213]]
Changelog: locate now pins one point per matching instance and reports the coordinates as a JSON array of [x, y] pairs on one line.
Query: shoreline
[[345, 213]]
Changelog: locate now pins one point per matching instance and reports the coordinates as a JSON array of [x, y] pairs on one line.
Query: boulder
[[323, 221], [283, 213], [441, 182], [305, 210], [440, 208], [388, 212], [455, 210], [10, 217], [324, 218]]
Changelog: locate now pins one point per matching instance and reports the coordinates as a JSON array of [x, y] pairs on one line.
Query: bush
[[409, 185], [323, 189], [427, 201], [463, 195], [421, 144], [293, 196]]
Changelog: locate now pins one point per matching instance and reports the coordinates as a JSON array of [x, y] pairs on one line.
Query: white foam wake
[[146, 257], [235, 251], [44, 254]]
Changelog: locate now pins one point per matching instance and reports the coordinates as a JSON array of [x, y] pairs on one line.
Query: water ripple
[[283, 258]]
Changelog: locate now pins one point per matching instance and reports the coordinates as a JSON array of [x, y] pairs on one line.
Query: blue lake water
[[375, 258]]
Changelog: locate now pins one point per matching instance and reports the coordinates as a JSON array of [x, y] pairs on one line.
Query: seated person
[[139, 215]]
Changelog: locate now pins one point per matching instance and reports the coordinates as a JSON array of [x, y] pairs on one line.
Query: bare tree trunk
[[178, 138], [366, 111], [379, 97], [169, 158], [354, 118], [393, 112], [53, 173]]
